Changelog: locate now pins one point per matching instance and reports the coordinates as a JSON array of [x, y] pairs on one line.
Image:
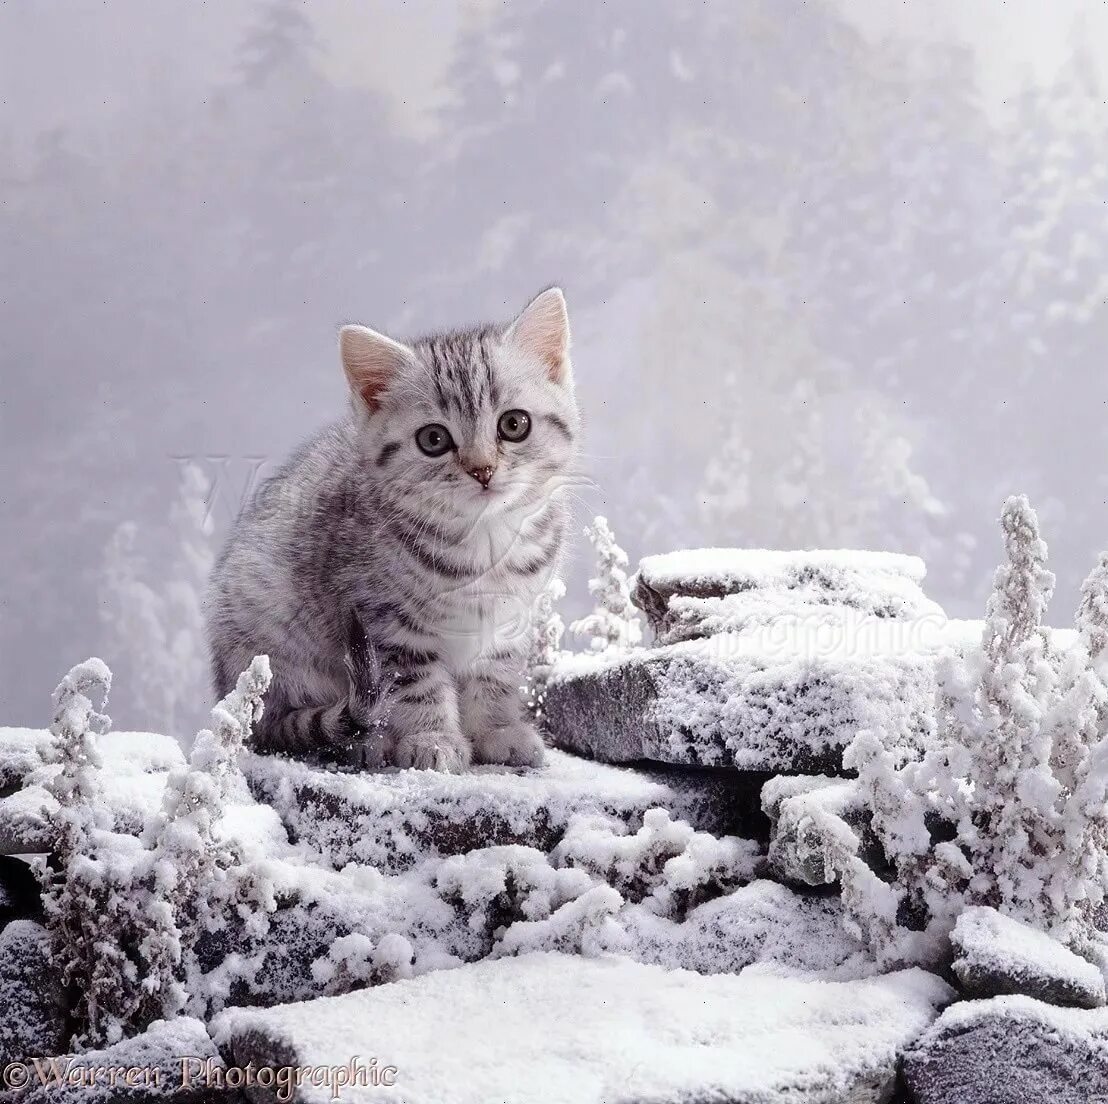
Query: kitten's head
[[471, 422]]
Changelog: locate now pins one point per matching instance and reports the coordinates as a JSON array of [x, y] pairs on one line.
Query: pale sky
[[79, 61]]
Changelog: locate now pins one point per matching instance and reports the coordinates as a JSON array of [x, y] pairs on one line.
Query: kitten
[[418, 529]]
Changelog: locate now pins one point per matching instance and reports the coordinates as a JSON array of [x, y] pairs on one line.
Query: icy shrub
[[546, 645], [110, 936], [196, 874], [614, 622], [666, 865], [1008, 808], [124, 913]]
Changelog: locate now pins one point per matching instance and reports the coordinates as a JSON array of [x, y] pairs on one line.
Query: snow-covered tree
[[614, 621], [155, 621], [76, 724], [1009, 805], [547, 629]]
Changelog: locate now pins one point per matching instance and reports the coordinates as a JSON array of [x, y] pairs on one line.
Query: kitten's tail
[[351, 730]]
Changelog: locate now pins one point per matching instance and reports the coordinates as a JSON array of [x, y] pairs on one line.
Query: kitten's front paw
[[439, 751], [514, 745]]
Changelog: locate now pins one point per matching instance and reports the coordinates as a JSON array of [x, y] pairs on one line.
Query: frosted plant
[[106, 930], [196, 874], [666, 865], [1008, 808], [125, 914], [76, 724], [547, 629], [614, 622]]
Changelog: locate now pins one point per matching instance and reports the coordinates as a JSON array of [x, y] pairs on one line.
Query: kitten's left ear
[[542, 332], [370, 361]]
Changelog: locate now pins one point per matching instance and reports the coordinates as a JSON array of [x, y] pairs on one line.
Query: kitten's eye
[[434, 439], [514, 425]]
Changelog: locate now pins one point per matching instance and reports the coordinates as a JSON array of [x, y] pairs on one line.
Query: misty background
[[836, 272]]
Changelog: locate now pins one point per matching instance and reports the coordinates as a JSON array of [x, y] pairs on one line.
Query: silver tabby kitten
[[419, 529]]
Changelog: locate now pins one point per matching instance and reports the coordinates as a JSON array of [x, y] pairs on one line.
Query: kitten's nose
[[482, 475]]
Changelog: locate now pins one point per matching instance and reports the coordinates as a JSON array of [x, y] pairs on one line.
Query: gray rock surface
[[393, 819], [1010, 1050], [996, 955], [32, 1008], [740, 701]]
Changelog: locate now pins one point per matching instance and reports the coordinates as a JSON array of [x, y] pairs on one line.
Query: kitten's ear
[[542, 332], [370, 361]]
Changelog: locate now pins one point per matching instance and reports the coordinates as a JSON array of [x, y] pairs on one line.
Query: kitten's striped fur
[[363, 550]]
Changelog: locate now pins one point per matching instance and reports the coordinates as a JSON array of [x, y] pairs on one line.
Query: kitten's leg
[[424, 721], [493, 716]]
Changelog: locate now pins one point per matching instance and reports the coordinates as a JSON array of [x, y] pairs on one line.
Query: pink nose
[[482, 475]]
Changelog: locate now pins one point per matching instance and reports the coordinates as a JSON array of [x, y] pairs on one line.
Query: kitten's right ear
[[370, 361]]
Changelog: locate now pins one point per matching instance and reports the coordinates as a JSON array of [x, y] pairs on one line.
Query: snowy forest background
[[835, 279]]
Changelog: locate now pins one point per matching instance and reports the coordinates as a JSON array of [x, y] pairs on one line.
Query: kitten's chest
[[491, 612]]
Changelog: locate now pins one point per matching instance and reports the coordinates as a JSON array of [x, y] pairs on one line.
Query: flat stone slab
[[395, 819], [703, 591], [1011, 1050], [997, 955], [547, 1028], [789, 698]]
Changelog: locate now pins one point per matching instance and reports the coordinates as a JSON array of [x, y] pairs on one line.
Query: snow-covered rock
[[703, 591], [20, 894], [32, 1008], [997, 955], [172, 1061], [805, 811], [135, 768], [394, 819], [790, 697], [557, 1029], [1011, 1050], [21, 751]]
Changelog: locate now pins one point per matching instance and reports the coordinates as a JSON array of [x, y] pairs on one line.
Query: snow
[[998, 952], [1090, 1024], [702, 592], [397, 818], [572, 1030], [158, 1054], [729, 570], [135, 766]]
